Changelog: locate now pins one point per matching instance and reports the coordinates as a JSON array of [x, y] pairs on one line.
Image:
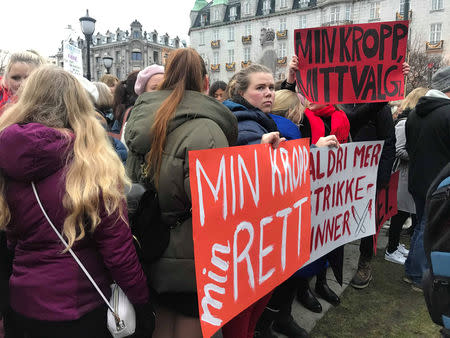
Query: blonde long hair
[[412, 98], [288, 104], [95, 177]]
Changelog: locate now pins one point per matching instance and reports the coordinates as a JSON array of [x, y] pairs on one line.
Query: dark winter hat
[[441, 80]]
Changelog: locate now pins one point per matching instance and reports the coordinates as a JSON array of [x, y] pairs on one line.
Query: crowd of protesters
[[83, 143]]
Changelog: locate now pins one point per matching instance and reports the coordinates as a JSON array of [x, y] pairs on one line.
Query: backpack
[[151, 236], [436, 281]]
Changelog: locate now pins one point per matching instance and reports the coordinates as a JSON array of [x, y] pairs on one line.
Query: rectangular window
[[156, 57], [248, 29], [266, 7], [348, 12], [233, 13], [374, 10], [230, 55], [247, 54], [282, 50], [216, 35], [216, 15], [334, 14], [302, 21], [435, 32], [283, 24], [247, 7], [117, 56], [437, 4], [202, 38], [283, 3], [118, 73], [231, 34], [136, 56], [401, 10], [216, 58], [303, 3]]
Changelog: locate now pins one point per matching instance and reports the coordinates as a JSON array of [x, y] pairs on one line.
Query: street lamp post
[[107, 62], [88, 28]]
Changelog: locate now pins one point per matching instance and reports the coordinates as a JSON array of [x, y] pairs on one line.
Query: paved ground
[[308, 319]]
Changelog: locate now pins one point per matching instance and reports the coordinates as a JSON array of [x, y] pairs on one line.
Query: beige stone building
[[230, 34]]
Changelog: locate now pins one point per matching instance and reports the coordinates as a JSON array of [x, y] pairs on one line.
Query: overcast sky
[[40, 25]]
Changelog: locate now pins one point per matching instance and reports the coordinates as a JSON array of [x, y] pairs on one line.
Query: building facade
[[231, 34], [131, 50]]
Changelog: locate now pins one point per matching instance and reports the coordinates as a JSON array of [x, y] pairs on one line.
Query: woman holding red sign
[[252, 92]]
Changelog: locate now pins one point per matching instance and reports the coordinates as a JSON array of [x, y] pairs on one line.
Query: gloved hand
[[145, 320]]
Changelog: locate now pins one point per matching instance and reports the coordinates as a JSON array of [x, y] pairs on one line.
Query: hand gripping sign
[[352, 63], [251, 224]]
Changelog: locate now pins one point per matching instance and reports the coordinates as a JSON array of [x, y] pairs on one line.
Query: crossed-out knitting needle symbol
[[360, 220]]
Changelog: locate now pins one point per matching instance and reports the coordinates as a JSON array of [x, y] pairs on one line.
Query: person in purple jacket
[[51, 137]]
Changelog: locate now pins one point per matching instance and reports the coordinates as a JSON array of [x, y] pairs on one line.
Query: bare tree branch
[[423, 64]]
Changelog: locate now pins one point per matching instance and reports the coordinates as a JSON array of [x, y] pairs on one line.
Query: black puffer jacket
[[427, 141], [373, 122]]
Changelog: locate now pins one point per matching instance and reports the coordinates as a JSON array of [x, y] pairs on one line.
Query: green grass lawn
[[387, 308]]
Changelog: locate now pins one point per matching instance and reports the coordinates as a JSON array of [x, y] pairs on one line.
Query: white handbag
[[121, 318]]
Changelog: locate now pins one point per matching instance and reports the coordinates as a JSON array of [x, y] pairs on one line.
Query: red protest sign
[[352, 63], [386, 203], [251, 224]]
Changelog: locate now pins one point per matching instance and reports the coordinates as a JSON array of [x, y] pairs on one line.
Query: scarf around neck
[[340, 126]]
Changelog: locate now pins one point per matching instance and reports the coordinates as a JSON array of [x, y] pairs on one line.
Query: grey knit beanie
[[441, 80]]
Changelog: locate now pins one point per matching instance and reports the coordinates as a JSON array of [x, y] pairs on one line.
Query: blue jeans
[[417, 263]]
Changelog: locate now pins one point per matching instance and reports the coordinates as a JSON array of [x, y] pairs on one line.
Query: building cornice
[[252, 18], [129, 42], [289, 11]]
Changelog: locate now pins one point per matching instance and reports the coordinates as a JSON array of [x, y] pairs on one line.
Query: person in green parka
[[163, 127]]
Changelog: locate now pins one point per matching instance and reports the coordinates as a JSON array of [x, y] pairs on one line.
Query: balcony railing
[[430, 46], [282, 61], [245, 64], [215, 44], [231, 67], [399, 16], [282, 35], [246, 40], [215, 67]]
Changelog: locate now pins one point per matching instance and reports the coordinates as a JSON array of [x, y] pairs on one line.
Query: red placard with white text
[[251, 224]]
